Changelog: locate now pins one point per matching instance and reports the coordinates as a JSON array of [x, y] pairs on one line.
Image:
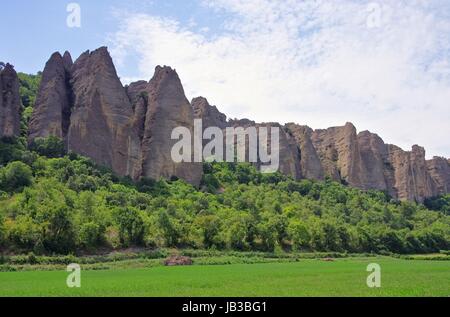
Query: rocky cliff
[[10, 104], [364, 161], [101, 114], [130, 129], [160, 106], [51, 114]]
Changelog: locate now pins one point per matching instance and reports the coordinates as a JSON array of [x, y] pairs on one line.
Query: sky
[[383, 65]]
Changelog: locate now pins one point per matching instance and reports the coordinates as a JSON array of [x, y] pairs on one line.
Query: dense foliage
[[67, 204], [53, 203], [29, 86]]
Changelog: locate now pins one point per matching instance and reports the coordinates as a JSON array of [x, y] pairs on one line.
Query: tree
[[15, 176], [51, 147], [299, 235], [91, 235], [168, 228], [131, 225], [209, 227]]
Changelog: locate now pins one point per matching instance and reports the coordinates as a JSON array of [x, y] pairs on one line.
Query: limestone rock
[[51, 112], [210, 115], [289, 152], [412, 180], [167, 108], [439, 170], [311, 168], [338, 150], [101, 119], [10, 104], [378, 172]]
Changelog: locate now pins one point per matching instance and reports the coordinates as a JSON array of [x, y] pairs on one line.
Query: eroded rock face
[[364, 161], [10, 104], [412, 181], [51, 113], [311, 167], [376, 168], [338, 150], [210, 115], [167, 109], [439, 170], [289, 152], [101, 117]]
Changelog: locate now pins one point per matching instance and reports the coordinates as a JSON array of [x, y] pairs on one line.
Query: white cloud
[[320, 63]]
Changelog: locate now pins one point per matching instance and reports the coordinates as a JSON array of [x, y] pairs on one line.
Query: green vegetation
[[343, 277], [67, 204], [29, 86], [57, 203], [441, 204]]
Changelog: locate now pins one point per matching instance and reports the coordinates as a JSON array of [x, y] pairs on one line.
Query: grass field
[[344, 277]]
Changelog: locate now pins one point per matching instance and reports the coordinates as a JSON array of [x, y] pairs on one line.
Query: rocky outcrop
[[10, 104], [439, 170], [311, 167], [412, 180], [129, 129], [338, 150], [165, 106], [210, 115], [101, 116], [51, 112], [364, 161], [289, 154]]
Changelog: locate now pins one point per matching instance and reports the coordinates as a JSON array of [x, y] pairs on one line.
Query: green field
[[344, 277]]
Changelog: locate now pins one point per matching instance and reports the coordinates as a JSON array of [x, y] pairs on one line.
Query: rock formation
[[129, 129], [364, 161], [159, 107], [210, 115], [10, 104], [310, 165], [439, 170], [100, 121], [51, 113]]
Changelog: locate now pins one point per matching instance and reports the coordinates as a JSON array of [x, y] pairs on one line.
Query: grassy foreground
[[343, 277]]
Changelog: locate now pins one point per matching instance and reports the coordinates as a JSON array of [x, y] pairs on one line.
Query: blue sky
[[383, 65], [35, 29]]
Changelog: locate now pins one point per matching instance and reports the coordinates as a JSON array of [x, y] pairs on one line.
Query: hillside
[[67, 204]]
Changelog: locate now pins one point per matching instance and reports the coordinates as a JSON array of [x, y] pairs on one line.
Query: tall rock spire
[[100, 123], [10, 105], [166, 108], [51, 113]]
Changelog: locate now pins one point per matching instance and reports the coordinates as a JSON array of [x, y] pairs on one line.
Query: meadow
[[309, 277]]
